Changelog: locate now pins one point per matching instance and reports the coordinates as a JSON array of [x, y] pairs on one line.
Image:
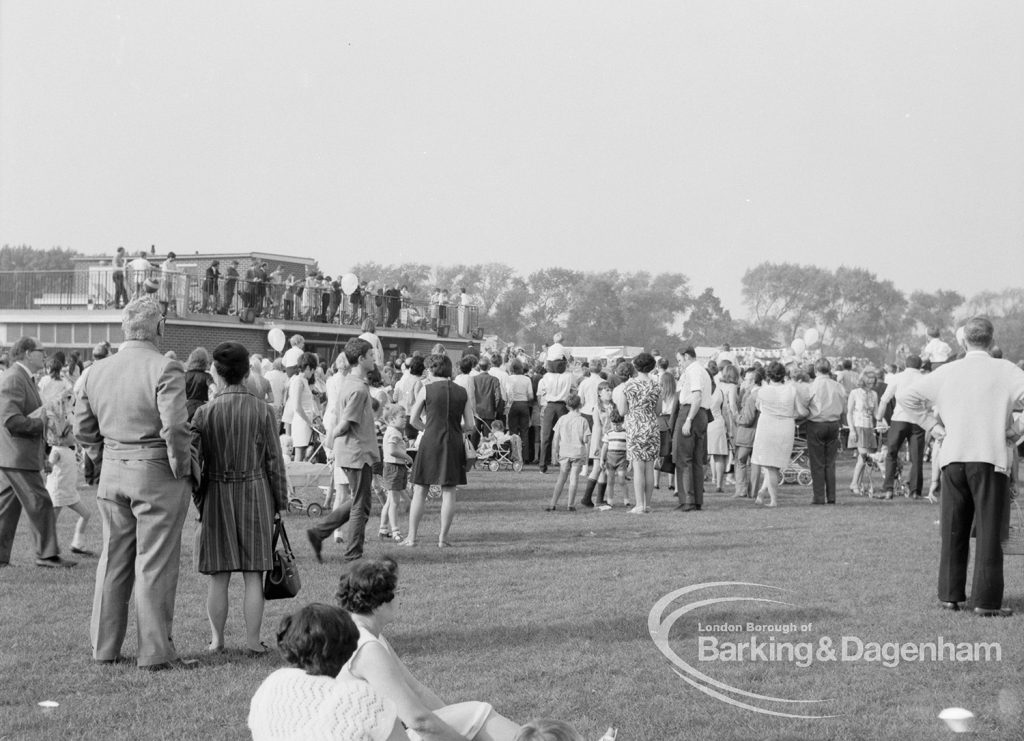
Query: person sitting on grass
[[314, 698], [569, 445], [613, 457], [367, 590]]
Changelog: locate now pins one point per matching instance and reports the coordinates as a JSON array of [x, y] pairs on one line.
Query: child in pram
[[498, 449]]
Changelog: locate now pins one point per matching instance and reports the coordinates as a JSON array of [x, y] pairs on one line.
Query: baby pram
[[503, 456], [798, 471], [310, 485]]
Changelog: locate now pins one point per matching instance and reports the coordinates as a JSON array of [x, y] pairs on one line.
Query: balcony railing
[[186, 295]]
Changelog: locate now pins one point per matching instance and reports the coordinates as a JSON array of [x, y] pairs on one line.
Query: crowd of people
[[265, 292], [155, 435]]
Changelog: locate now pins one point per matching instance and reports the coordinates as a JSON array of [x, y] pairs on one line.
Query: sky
[[693, 137]]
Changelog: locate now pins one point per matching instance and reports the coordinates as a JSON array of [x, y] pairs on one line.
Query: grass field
[[546, 615]]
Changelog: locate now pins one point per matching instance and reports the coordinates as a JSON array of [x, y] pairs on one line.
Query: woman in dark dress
[[443, 412], [197, 380], [243, 491]]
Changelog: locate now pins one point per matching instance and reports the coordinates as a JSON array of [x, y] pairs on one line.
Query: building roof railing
[[189, 296]]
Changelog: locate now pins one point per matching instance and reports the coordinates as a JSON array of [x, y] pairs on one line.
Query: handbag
[[282, 581], [470, 450]]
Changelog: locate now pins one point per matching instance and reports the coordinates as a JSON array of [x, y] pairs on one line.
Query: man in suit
[[487, 392], [967, 405], [131, 414], [23, 455]]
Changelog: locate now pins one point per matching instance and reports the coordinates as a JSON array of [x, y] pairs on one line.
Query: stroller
[[497, 456], [798, 471], [503, 456], [309, 482]]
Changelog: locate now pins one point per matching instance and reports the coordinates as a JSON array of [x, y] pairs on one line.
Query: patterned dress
[[243, 482], [643, 402]]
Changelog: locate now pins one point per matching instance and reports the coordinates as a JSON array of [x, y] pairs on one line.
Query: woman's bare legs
[[217, 607], [447, 514], [772, 479], [252, 610], [419, 496]]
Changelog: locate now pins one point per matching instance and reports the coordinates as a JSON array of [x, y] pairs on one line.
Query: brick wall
[[184, 338]]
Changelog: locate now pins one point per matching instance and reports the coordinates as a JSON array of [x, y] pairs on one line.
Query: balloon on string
[[349, 283], [811, 337], [276, 338], [798, 346]]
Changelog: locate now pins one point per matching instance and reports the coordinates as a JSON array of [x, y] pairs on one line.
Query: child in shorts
[[570, 439], [396, 469], [613, 454]]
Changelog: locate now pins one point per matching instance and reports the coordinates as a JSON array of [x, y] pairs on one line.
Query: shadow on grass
[[620, 628]]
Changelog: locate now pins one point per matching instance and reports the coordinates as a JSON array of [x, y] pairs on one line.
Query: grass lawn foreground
[[546, 615]]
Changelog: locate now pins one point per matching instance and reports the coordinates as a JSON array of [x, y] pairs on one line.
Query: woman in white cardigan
[[367, 591]]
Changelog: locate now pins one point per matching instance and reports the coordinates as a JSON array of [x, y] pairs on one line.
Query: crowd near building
[[203, 384]]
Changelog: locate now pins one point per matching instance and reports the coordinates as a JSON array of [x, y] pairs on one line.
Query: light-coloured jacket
[[132, 405]]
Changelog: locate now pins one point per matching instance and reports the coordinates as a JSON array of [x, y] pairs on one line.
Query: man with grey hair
[[967, 404], [22, 456], [131, 415]]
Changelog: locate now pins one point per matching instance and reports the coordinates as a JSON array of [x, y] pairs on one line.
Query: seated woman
[[367, 590], [307, 700]]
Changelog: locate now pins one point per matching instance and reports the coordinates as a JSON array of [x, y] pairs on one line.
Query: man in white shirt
[[552, 392], [690, 424], [967, 404], [902, 428], [826, 402]]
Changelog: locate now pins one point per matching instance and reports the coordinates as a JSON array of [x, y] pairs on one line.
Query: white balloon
[[349, 283], [276, 338], [798, 346], [811, 337]]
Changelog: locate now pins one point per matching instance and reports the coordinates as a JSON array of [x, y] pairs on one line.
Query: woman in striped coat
[[243, 491]]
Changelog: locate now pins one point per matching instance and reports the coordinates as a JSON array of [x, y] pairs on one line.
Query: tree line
[[856, 313]]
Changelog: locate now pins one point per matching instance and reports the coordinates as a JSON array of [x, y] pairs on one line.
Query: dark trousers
[[898, 432], [553, 410], [972, 492], [689, 453], [120, 294], [822, 449], [356, 509], [519, 421], [25, 490]]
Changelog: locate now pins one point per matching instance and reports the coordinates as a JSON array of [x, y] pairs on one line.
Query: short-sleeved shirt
[[358, 446], [695, 378], [572, 435]]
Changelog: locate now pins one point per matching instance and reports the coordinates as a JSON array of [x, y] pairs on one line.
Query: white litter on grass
[[958, 720], [49, 704]]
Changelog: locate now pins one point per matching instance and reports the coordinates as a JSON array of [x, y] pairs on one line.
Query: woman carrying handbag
[[243, 491]]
